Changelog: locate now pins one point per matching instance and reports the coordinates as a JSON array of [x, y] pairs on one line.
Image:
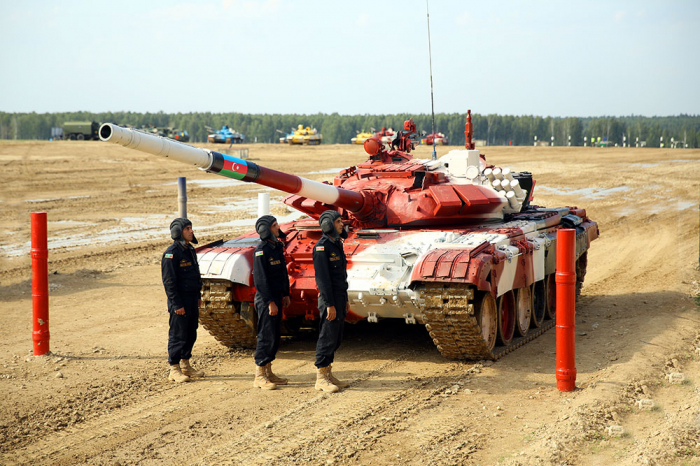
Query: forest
[[671, 131]]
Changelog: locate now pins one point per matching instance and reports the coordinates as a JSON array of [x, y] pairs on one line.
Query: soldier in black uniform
[[330, 267], [271, 295], [183, 284]]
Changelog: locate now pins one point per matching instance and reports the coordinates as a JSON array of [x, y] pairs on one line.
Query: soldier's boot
[[334, 380], [273, 378], [323, 380], [261, 379], [176, 374], [190, 371]]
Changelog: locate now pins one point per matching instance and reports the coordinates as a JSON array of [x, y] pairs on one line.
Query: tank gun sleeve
[[169, 274], [323, 277], [260, 274]]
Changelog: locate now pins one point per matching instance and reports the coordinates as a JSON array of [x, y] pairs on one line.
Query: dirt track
[[102, 396]]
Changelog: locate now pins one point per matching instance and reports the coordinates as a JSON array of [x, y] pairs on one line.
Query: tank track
[[450, 321], [221, 316]]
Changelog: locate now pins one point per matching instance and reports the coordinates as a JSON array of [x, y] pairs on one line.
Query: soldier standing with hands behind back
[[183, 285], [330, 267], [271, 295]]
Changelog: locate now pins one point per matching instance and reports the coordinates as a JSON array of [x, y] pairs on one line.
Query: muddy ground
[[102, 395]]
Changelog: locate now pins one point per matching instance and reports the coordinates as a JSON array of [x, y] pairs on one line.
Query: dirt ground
[[102, 395]]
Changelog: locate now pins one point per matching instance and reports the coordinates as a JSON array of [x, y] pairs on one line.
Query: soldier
[[332, 281], [183, 284], [271, 296]]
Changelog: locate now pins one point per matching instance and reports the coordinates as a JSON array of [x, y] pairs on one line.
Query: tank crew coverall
[[271, 285], [330, 267], [183, 284]]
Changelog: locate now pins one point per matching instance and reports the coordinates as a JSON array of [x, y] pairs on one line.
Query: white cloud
[[620, 15]]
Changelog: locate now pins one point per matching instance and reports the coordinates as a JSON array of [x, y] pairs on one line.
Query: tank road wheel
[[551, 293], [506, 318], [486, 314], [523, 309], [81, 137], [230, 322], [581, 265], [539, 304]]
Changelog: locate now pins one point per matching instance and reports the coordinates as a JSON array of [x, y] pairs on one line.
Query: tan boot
[[273, 378], [190, 371], [334, 380], [176, 374], [323, 381], [261, 379]]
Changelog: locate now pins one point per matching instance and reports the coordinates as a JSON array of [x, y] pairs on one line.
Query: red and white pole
[[40, 284], [566, 309]]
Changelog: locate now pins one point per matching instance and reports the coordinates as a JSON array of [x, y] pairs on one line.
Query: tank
[[303, 135], [167, 131], [225, 135], [454, 244], [440, 139], [361, 137]]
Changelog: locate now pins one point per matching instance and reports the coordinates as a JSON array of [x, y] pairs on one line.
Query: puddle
[[657, 208], [244, 222], [330, 170], [644, 165], [134, 229], [590, 193], [218, 182], [684, 161]]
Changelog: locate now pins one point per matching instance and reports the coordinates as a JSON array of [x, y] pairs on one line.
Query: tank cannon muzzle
[[231, 167]]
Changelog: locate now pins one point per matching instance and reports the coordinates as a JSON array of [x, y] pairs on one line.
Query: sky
[[537, 57]]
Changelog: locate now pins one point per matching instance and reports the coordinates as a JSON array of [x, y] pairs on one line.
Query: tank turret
[[453, 244]]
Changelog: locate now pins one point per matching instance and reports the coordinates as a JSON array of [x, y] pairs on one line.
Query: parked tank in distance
[[440, 139], [167, 132], [453, 244], [303, 136], [225, 135], [361, 137], [81, 130]]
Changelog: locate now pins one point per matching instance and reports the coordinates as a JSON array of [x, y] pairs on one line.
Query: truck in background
[[81, 130]]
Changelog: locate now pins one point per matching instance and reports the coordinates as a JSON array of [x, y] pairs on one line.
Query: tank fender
[[472, 266], [234, 264]]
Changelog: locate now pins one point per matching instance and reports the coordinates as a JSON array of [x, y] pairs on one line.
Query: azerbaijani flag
[[234, 167]]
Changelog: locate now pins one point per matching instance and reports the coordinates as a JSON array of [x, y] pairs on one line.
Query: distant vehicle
[[440, 139], [361, 137], [81, 130], [167, 132], [225, 135], [303, 135], [285, 136]]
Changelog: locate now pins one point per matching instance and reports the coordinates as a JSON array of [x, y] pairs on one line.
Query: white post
[[182, 197], [263, 204]]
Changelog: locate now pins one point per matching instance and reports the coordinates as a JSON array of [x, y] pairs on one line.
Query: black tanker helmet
[[176, 227], [326, 221], [262, 227]]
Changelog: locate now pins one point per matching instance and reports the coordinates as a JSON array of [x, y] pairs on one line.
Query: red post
[[40, 284], [566, 311]]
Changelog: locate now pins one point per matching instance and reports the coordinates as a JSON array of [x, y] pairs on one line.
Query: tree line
[[339, 129]]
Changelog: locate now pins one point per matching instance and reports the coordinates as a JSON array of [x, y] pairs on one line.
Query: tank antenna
[[432, 100]]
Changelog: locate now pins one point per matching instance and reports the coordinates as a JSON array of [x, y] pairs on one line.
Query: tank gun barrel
[[232, 167]]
